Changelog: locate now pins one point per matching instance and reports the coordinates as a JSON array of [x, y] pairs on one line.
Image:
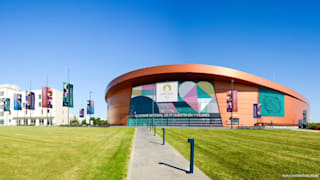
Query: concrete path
[[151, 160]]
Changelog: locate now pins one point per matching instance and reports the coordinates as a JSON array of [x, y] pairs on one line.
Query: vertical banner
[[49, 99], [229, 102], [81, 112], [256, 110], [70, 95], [46, 97], [17, 100], [67, 95], [90, 107], [232, 101], [30, 100], [6, 104]]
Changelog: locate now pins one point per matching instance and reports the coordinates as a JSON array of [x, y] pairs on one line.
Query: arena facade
[[201, 96]]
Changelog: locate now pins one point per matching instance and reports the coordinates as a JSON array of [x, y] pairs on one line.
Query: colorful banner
[[50, 93], [232, 101], [17, 100], [46, 97], [256, 110], [90, 107], [67, 95], [30, 100], [81, 112], [6, 104]]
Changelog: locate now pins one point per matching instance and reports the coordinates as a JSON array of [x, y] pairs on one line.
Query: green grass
[[64, 153], [249, 154]]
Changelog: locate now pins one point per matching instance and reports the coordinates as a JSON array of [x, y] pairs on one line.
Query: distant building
[[57, 115]]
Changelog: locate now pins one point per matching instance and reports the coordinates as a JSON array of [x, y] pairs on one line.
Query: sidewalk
[[152, 160]]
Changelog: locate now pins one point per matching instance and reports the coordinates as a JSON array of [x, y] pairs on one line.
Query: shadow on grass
[[161, 163]]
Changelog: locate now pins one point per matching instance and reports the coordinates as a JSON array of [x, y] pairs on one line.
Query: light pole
[[231, 119], [90, 92]]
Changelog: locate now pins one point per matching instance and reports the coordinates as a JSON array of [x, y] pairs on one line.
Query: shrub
[[74, 122], [313, 125]]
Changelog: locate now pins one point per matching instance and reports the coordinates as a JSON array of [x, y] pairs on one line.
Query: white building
[[57, 115]]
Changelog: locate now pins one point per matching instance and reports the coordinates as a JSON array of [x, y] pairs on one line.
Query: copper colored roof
[[171, 72]]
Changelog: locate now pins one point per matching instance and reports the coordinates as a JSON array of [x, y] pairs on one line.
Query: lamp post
[[90, 92], [231, 119]]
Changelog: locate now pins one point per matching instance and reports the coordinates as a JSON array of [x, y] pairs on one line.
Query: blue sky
[[100, 40]]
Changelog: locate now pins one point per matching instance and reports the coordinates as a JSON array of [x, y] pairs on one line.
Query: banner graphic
[[46, 97], [17, 101], [167, 92], [90, 107], [81, 112], [256, 110], [30, 100], [232, 101], [6, 104], [67, 95]]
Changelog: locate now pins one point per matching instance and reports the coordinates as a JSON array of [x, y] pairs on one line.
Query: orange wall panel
[[119, 106], [247, 96]]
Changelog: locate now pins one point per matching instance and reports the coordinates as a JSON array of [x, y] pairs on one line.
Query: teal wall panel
[[272, 102]]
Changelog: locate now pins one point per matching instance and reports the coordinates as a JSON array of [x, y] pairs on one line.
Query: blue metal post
[[155, 130], [164, 136], [191, 141]]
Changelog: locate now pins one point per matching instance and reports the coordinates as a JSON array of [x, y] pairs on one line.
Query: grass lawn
[[249, 154], [64, 153]]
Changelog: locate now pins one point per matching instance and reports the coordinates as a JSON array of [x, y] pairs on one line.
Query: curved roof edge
[[204, 69]]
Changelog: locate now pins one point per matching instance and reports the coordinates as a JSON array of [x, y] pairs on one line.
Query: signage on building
[[177, 115], [167, 92], [256, 110], [232, 101]]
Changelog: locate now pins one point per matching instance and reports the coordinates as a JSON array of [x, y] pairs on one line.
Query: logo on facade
[[167, 92], [167, 88]]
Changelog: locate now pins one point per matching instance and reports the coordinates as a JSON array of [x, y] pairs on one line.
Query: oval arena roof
[[192, 72]]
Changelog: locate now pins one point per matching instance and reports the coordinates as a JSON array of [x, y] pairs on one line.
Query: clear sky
[[100, 40]]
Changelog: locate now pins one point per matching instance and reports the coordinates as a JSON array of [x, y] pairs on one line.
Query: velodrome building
[[201, 95]]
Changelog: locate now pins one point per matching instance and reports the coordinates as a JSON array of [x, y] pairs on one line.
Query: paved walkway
[[152, 160]]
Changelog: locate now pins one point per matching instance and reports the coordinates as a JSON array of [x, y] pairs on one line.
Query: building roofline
[[208, 70]]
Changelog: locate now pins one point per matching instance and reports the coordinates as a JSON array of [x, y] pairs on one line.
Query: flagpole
[[30, 102], [47, 99], [17, 108], [68, 87], [90, 92]]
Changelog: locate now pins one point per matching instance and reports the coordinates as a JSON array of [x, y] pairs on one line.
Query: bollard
[[164, 136], [191, 141], [155, 130]]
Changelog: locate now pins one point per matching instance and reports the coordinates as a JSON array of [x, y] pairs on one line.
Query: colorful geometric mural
[[193, 97]]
